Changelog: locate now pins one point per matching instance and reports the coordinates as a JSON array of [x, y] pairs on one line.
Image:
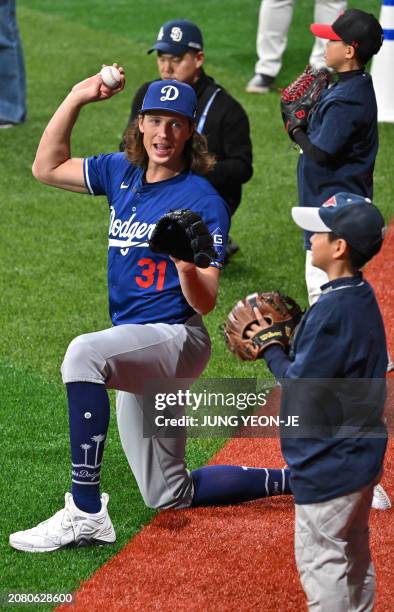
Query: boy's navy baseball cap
[[356, 28], [177, 37], [349, 216], [172, 96]]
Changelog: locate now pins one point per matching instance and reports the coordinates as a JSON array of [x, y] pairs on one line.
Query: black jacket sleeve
[[234, 161]]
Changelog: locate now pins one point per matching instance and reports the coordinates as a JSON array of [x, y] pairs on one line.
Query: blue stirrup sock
[[231, 484], [89, 412]]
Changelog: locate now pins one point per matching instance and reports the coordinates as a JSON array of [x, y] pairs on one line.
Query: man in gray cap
[[220, 117]]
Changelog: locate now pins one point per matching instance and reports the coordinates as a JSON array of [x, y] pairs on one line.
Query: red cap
[[323, 30]]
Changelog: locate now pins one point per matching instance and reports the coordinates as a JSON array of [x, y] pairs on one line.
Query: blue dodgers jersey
[[144, 286], [344, 125]]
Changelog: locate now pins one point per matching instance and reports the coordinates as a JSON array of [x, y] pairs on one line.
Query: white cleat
[[68, 527], [380, 500]]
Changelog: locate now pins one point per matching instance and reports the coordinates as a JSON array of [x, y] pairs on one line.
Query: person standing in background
[[12, 68], [220, 118], [274, 22]]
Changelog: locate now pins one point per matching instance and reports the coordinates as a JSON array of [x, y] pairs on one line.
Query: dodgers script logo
[[170, 93], [129, 233]]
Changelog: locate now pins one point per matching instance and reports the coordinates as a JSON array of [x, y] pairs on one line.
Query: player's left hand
[[183, 235]]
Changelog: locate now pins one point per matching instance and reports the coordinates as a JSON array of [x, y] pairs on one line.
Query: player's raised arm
[[53, 164]]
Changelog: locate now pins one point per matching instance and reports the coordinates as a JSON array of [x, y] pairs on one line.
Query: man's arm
[[53, 163], [199, 285]]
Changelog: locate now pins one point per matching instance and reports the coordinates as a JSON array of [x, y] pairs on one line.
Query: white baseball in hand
[[110, 76]]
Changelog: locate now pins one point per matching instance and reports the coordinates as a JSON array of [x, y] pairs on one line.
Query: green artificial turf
[[53, 248]]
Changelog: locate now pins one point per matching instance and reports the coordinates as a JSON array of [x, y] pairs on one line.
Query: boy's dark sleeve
[[340, 121], [277, 360], [319, 348], [136, 104], [318, 155]]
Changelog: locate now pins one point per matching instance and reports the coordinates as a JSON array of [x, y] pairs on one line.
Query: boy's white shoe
[[68, 527], [380, 500]]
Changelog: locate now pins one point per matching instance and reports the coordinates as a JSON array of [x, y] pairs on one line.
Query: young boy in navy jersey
[[333, 469], [339, 148]]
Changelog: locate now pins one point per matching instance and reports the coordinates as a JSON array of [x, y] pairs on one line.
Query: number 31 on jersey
[[152, 272]]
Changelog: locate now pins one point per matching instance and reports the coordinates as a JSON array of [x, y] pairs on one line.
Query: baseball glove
[[281, 313], [184, 235], [300, 97]]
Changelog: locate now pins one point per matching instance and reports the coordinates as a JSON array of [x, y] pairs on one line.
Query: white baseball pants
[[274, 22]]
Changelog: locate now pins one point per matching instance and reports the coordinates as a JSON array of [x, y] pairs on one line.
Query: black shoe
[[261, 83], [231, 248]]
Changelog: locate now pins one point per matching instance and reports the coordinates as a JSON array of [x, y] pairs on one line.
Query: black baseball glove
[[184, 235], [300, 97]]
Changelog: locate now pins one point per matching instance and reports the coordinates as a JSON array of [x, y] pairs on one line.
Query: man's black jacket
[[227, 131]]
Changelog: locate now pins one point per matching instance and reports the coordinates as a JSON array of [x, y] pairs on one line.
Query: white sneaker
[[68, 527], [380, 500]]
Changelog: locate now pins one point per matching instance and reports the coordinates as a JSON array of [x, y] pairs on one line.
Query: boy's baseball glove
[[280, 312], [299, 98]]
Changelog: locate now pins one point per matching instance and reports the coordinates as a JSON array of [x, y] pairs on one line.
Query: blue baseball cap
[[172, 96], [349, 216], [177, 37]]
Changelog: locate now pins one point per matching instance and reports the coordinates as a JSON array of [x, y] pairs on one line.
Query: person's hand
[[93, 89], [257, 327], [259, 321]]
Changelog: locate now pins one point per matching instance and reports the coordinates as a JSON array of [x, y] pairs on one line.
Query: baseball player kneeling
[[155, 299]]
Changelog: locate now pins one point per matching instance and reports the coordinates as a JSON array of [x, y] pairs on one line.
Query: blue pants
[[12, 69]]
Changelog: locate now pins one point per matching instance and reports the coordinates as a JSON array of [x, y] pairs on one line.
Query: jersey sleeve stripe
[[86, 176]]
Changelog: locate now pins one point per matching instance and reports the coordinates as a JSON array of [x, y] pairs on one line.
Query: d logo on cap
[[171, 93]]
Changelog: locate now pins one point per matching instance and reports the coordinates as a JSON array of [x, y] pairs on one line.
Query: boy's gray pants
[[332, 553]]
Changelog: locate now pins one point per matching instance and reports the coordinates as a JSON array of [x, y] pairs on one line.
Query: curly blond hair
[[196, 154]]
